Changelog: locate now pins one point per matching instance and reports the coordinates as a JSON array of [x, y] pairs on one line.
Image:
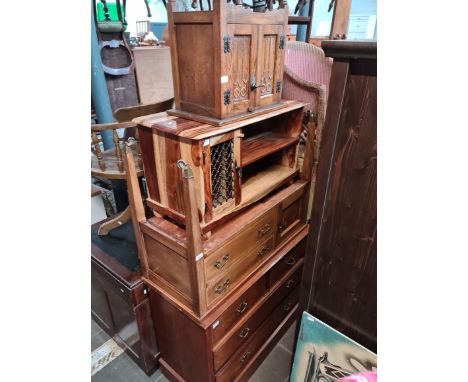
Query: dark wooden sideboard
[[340, 270], [119, 298]]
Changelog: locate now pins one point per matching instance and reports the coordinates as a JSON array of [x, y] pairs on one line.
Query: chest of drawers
[[222, 252], [229, 342], [222, 291]]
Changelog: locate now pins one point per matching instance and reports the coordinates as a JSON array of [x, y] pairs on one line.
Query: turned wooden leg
[[117, 221]]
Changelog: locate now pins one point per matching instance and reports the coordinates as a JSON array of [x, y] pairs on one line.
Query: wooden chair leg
[[117, 221]]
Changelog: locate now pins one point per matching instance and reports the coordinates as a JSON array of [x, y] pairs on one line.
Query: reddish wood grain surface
[[341, 257]]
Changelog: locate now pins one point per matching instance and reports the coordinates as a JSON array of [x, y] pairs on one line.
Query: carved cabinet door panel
[[240, 67], [270, 57]]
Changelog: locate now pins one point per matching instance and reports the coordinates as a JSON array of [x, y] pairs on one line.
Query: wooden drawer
[[245, 241], [239, 309], [236, 272], [290, 215], [242, 356], [287, 262], [248, 326]]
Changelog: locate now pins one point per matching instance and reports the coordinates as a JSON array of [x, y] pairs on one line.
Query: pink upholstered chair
[[306, 78], [305, 69]]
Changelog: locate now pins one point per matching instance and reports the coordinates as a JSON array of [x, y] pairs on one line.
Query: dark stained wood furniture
[[119, 298], [227, 60], [340, 269]]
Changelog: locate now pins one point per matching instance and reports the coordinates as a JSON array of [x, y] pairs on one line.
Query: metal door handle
[[291, 261], [244, 356], [242, 307], [221, 263], [244, 333]]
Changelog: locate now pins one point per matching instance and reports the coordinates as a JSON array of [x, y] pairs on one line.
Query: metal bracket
[[227, 44], [281, 42], [188, 173], [227, 97], [239, 172], [199, 256]]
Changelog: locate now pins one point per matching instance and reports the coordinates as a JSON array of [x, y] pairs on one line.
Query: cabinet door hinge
[[281, 42], [278, 86], [239, 172], [227, 44], [227, 97]]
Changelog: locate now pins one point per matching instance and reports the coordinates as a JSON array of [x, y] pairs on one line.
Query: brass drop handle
[[264, 250], [244, 333], [242, 307], [262, 231], [290, 283], [222, 287], [287, 306], [291, 261], [244, 356], [221, 263]]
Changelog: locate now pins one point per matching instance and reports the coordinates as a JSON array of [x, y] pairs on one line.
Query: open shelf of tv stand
[[264, 144], [264, 182]]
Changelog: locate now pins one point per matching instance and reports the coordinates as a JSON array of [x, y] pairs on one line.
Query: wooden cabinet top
[[198, 130]]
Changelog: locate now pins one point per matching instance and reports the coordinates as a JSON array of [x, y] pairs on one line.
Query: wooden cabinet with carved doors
[[227, 61]]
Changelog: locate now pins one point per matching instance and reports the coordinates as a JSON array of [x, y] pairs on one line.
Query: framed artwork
[[325, 355]]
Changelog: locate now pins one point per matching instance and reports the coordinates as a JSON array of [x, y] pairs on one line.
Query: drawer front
[[244, 242], [247, 327], [242, 356], [236, 311], [290, 215], [236, 272], [287, 262]]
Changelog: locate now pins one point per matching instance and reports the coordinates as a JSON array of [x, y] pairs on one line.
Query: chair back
[[109, 164], [305, 67]]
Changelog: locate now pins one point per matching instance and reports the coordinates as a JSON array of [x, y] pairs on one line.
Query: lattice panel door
[[222, 173]]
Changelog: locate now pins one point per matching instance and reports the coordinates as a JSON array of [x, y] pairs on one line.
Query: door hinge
[[227, 97], [227, 44], [281, 42], [278, 86], [239, 172]]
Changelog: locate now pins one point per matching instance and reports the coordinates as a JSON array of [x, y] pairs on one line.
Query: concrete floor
[[275, 368]]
